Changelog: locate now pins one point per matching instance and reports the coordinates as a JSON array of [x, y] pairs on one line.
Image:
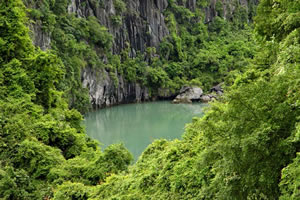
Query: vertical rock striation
[[104, 91], [142, 25]]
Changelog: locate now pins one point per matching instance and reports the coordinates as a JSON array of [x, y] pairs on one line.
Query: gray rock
[[184, 89], [182, 100], [217, 88], [188, 94], [212, 96], [205, 98], [143, 26], [40, 38], [103, 91]]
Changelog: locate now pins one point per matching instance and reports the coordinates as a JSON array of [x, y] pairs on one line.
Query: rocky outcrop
[[227, 8], [104, 91], [217, 89], [40, 38], [208, 97], [142, 25], [188, 95], [205, 98], [215, 93]]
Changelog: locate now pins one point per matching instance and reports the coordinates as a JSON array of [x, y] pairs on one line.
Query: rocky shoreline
[[189, 94]]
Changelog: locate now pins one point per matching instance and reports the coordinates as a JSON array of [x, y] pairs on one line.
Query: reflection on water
[[137, 125]]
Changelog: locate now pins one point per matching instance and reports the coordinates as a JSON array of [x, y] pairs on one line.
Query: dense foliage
[[75, 40], [193, 54], [42, 143], [245, 147]]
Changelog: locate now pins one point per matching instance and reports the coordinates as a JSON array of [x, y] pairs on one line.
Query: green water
[[137, 125]]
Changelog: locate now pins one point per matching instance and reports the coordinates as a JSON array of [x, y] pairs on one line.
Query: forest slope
[[245, 147]]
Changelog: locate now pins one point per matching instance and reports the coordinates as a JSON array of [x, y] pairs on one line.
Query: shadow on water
[[137, 125]]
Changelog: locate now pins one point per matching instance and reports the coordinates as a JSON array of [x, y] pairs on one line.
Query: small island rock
[[188, 94]]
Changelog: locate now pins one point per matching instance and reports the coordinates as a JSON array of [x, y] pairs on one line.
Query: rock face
[[143, 25], [40, 38], [188, 95], [105, 92]]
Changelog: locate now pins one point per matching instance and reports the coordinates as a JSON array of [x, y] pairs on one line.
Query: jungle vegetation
[[245, 147]]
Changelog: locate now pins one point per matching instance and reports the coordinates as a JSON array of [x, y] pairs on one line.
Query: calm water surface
[[137, 125]]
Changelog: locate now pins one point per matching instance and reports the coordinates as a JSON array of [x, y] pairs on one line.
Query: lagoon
[[137, 125]]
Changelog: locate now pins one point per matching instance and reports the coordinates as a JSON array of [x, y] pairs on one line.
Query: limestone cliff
[[143, 21], [142, 24], [103, 91]]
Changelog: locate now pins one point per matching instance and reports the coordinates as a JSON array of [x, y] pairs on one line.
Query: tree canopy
[[245, 147]]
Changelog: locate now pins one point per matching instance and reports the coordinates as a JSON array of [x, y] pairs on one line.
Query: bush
[[99, 34], [120, 6], [72, 191]]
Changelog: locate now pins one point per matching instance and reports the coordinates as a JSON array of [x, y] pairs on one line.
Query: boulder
[[212, 96], [188, 94], [217, 89], [205, 98], [184, 89], [182, 100]]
